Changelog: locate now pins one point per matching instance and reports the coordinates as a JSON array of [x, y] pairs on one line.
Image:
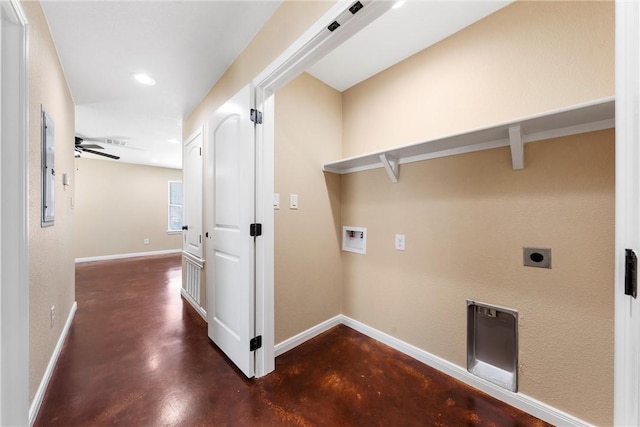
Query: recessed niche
[[492, 344]]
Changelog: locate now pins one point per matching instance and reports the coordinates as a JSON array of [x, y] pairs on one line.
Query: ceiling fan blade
[[111, 156], [94, 146]]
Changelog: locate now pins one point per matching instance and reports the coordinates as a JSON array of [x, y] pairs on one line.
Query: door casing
[[14, 237]]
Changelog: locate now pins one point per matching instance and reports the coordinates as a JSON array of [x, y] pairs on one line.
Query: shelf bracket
[[517, 147], [391, 165]]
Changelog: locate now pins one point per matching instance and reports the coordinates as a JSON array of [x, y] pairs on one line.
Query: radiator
[[192, 278]]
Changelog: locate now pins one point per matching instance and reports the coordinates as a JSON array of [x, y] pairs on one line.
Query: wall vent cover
[[492, 344]]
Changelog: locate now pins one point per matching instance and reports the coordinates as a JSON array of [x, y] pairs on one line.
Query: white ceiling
[[187, 45], [184, 45], [398, 34]]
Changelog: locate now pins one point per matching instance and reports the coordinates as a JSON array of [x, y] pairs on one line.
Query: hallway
[[138, 355]]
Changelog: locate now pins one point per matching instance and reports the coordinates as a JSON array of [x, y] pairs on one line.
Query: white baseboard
[[130, 255], [517, 400], [201, 311], [296, 340], [39, 396]]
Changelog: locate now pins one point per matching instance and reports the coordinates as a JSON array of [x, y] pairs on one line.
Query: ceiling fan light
[[144, 79]]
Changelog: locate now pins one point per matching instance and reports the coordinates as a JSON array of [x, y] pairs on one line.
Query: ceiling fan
[[81, 147]]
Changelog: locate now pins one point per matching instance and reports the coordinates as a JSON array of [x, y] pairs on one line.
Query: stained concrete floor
[[138, 355]]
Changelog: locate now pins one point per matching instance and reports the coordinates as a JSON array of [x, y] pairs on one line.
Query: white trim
[[265, 246], [626, 392], [517, 147], [517, 400], [39, 396], [129, 255], [316, 42], [194, 259], [201, 311], [14, 223], [305, 336], [307, 49], [581, 118]]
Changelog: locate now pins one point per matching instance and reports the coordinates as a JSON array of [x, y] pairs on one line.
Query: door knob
[[185, 227]]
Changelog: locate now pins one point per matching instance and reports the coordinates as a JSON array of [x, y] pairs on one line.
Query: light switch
[[276, 201], [293, 201], [400, 242]]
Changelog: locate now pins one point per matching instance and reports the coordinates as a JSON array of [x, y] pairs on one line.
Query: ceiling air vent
[[116, 142]]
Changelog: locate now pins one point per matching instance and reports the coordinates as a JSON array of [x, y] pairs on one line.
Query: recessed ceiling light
[[173, 141], [398, 4], [144, 79]]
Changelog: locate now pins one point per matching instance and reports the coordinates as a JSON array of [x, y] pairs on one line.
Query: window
[[175, 206]]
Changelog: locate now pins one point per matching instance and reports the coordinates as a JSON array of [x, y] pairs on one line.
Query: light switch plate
[[293, 201], [400, 242], [276, 201]]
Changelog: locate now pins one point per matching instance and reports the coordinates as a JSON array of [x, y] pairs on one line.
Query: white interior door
[[231, 249], [192, 195]]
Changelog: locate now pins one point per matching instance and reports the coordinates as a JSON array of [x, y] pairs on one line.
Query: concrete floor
[[138, 355]]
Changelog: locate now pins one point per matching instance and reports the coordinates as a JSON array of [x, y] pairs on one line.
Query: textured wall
[[524, 59], [118, 205], [51, 249], [307, 241], [467, 217]]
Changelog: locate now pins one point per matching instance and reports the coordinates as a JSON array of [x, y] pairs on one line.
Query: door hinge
[[631, 273], [255, 343], [255, 230], [355, 8], [200, 237], [201, 151], [256, 116]]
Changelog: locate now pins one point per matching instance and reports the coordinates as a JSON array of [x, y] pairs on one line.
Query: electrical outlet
[[400, 242], [53, 315], [146, 240]]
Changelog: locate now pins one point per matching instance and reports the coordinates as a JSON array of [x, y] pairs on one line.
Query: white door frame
[[627, 310], [14, 237], [316, 42]]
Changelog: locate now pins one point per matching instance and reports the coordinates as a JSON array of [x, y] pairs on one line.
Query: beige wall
[[307, 240], [467, 217], [527, 58], [52, 279], [118, 205], [286, 25]]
